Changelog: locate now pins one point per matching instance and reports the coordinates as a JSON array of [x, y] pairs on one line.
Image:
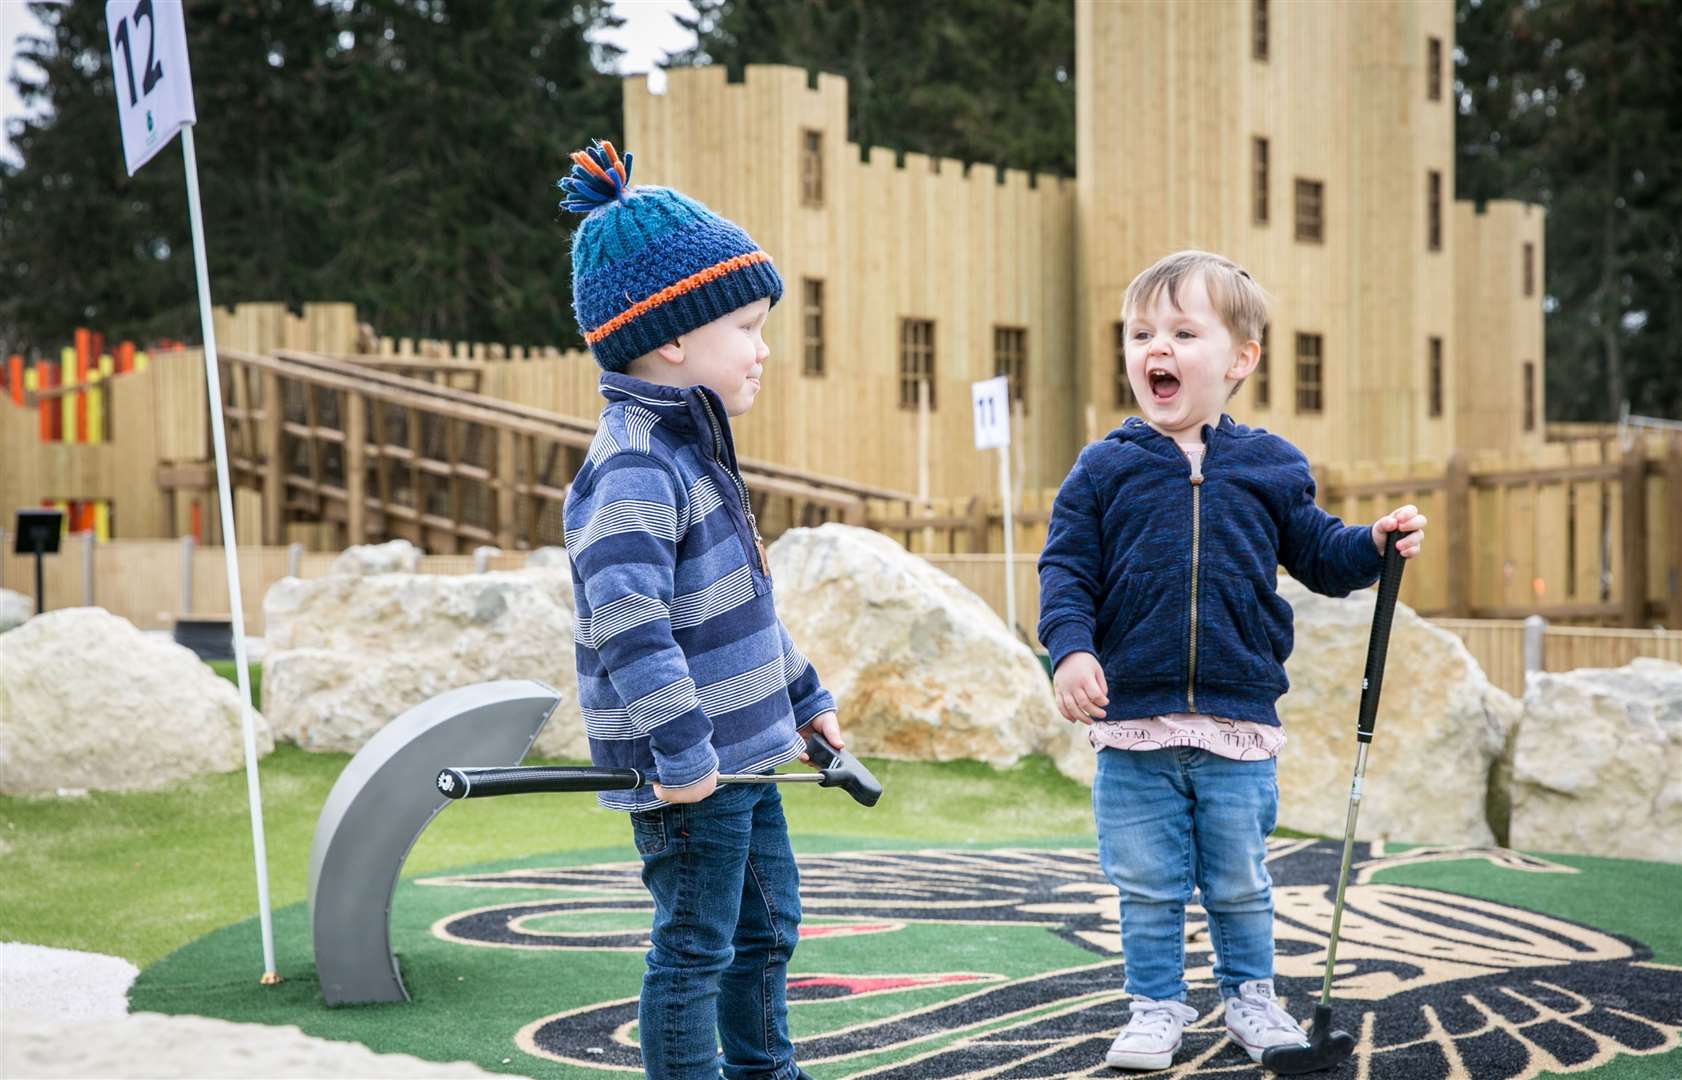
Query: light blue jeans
[[1172, 819]]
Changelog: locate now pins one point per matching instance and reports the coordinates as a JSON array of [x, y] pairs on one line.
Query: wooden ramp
[[378, 455]]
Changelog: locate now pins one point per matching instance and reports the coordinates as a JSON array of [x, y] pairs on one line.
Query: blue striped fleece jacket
[[683, 665]]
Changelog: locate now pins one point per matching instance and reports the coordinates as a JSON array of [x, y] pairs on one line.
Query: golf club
[[1327, 1047], [837, 768]]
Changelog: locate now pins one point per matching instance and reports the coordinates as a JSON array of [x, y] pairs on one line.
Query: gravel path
[[65, 1015]]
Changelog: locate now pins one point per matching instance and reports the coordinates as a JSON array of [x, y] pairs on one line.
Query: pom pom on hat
[[598, 178]]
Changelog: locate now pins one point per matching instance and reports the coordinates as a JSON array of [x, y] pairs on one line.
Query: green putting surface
[[962, 960]]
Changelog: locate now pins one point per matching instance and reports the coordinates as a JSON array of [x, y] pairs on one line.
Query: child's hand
[[1406, 519], [689, 793], [1081, 690], [824, 724]]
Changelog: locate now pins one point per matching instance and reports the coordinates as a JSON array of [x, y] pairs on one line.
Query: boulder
[[1597, 767], [89, 701], [348, 654], [1441, 728], [391, 557], [15, 609], [921, 668], [550, 556]]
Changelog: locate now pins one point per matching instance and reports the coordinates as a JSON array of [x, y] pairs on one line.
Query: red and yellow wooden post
[[84, 360], [67, 401]]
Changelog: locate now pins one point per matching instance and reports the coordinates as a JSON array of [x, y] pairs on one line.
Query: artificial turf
[[139, 874]]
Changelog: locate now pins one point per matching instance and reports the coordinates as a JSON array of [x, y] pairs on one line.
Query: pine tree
[[1578, 106], [398, 154]]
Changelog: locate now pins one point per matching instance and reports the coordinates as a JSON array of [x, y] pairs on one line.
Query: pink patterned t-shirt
[[1241, 740]]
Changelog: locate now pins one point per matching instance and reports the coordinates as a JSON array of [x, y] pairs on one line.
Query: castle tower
[[1315, 145]]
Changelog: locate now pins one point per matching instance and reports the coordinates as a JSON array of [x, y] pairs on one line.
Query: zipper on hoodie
[[741, 485], [1196, 464]]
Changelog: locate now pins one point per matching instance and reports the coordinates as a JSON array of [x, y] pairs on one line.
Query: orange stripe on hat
[[672, 292]]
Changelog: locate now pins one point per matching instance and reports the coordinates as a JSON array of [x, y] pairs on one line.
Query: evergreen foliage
[[1578, 106], [399, 154]]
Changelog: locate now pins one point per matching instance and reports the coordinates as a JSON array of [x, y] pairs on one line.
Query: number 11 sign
[[154, 85]]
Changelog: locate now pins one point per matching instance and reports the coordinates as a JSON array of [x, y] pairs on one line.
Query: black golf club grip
[[1378, 646], [470, 783], [843, 770]]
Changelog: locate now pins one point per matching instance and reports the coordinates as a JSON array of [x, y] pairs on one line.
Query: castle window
[[1310, 373], [1010, 359], [811, 318], [916, 361], [811, 167], [1311, 212], [1434, 377], [1433, 210]]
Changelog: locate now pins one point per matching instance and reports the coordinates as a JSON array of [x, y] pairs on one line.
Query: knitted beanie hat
[[649, 264]]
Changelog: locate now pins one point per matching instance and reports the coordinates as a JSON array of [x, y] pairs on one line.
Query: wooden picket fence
[[1587, 531], [152, 583]]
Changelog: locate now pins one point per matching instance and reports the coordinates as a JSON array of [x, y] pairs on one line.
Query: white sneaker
[[1152, 1035], [1257, 1022]]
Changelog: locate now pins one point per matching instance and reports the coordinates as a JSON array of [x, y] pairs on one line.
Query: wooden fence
[[153, 582], [1585, 531], [145, 475]]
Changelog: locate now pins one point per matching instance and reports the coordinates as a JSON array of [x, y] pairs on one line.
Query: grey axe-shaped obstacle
[[381, 804]]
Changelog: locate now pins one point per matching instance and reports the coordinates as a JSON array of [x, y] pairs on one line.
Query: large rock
[[921, 668], [89, 701], [15, 609], [348, 654], [1441, 728], [1597, 768], [391, 557]]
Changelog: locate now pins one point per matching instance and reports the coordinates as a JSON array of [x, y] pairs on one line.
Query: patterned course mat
[[1006, 963]]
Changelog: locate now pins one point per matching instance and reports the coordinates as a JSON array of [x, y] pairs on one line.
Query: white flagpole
[[213, 390], [1010, 539]]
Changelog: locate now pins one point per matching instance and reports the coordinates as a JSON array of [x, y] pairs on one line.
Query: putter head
[[1326, 1049], [843, 770]]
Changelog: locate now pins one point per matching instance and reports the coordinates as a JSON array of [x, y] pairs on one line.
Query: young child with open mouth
[[1159, 607]]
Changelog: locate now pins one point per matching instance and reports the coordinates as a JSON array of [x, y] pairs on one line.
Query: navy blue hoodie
[[1169, 577]]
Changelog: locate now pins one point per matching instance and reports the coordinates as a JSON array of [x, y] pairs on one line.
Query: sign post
[[154, 101], [991, 398]]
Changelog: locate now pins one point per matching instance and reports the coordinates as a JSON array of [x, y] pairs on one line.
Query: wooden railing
[[383, 455], [153, 582], [1588, 531]]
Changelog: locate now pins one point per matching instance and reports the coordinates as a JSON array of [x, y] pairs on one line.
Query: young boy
[[684, 670], [1158, 605]]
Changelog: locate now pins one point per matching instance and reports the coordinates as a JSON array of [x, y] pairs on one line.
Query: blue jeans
[[726, 920], [1178, 817]]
